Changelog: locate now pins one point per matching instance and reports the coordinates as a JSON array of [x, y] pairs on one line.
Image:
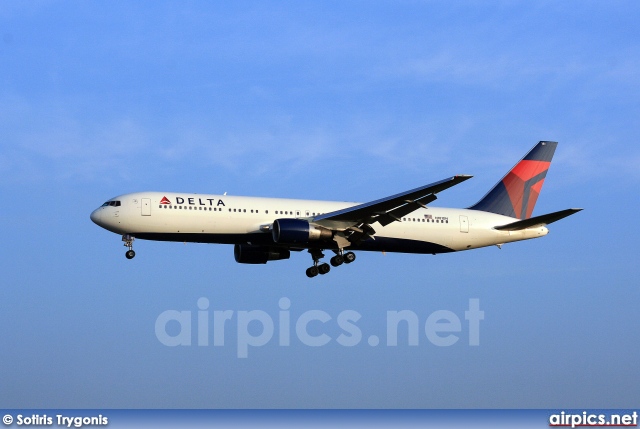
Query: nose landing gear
[[128, 242]]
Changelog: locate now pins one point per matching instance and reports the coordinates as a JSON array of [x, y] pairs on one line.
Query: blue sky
[[340, 101]]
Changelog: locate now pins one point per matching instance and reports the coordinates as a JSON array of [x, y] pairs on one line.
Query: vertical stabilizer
[[516, 194]]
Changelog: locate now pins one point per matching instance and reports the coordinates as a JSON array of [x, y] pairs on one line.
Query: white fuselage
[[238, 220]]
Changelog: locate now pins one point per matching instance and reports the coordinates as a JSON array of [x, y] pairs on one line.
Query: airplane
[[269, 229]]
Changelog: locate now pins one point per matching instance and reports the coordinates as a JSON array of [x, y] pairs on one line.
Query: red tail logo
[[523, 184], [165, 200], [516, 194]]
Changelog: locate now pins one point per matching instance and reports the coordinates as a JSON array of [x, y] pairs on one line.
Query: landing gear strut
[[337, 260], [317, 268], [128, 243]]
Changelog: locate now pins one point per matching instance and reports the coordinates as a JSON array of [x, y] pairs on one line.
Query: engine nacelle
[[292, 231], [248, 254]]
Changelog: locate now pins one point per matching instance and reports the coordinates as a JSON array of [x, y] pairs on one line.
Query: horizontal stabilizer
[[538, 220]]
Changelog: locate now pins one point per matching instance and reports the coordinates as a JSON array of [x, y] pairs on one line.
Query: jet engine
[[298, 231], [248, 254]]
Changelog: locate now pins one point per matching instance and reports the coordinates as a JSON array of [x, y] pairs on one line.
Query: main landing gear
[[128, 242], [335, 261]]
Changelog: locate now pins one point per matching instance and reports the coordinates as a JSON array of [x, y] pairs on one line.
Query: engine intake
[[248, 254], [293, 231]]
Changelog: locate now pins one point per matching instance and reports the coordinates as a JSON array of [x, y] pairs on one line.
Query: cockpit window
[[112, 204]]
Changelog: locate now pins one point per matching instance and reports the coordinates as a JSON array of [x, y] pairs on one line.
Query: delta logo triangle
[[165, 200]]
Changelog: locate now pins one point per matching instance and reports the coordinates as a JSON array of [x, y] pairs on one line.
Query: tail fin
[[516, 194]]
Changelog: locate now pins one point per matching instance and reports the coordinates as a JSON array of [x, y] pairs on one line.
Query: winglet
[[538, 220]]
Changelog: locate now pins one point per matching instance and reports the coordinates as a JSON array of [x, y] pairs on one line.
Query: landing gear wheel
[[128, 243], [324, 268], [312, 271], [336, 261], [349, 257]]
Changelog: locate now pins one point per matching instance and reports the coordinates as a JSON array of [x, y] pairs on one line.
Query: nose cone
[[96, 215]]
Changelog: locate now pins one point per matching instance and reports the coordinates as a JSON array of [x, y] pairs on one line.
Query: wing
[[357, 220]]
